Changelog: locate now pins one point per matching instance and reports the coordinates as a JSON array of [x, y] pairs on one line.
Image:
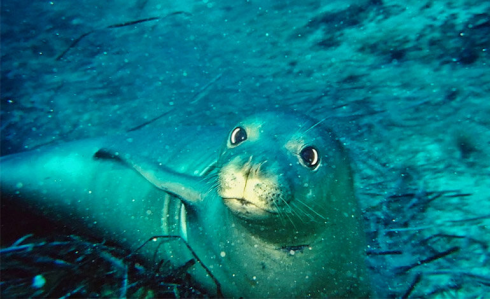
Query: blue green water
[[406, 84]]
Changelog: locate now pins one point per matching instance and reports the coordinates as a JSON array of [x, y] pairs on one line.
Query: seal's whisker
[[299, 212], [301, 209], [292, 210], [302, 126], [286, 212], [248, 164], [308, 215], [213, 187], [311, 209], [281, 217], [254, 170], [212, 181], [210, 177], [316, 124], [290, 220], [257, 170], [206, 179]]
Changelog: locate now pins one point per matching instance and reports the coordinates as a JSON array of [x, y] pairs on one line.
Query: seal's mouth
[[247, 209]]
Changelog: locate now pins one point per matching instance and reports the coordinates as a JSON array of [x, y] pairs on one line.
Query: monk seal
[[268, 205]]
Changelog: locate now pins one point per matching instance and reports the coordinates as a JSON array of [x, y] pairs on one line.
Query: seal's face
[[276, 166]]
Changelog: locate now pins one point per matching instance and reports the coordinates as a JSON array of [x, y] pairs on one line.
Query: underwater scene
[[245, 149]]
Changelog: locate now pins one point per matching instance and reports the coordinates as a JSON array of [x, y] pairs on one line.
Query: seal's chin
[[247, 210]]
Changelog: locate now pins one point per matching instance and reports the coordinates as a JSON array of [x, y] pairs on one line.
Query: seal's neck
[[280, 232]]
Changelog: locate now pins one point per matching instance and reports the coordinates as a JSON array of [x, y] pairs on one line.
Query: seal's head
[[284, 171], [289, 222]]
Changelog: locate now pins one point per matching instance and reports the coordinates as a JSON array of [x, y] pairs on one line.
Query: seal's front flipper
[[189, 189]]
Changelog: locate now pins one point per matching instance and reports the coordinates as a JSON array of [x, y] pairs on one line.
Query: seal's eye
[[238, 136], [310, 156]]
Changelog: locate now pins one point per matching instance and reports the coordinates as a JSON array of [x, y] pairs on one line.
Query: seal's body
[[268, 205]]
